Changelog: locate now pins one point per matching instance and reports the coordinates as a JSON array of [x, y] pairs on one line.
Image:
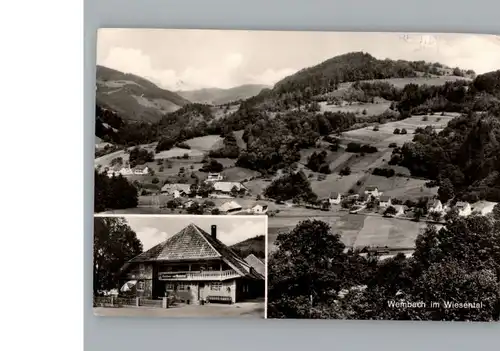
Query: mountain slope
[[255, 245], [216, 96], [133, 97], [357, 66]]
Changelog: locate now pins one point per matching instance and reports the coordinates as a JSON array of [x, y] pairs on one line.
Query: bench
[[220, 299]]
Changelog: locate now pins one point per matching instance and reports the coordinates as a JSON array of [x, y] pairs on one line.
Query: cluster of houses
[[125, 171], [220, 189], [371, 193]]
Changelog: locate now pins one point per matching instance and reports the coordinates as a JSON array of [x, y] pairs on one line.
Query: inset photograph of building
[[180, 266]]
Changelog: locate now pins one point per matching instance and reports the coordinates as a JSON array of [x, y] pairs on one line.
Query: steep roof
[[230, 205], [433, 203], [384, 198], [256, 263], [193, 243], [227, 186], [180, 187], [334, 195], [371, 188]]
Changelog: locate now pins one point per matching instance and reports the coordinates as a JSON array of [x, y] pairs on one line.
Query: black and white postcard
[[374, 156]]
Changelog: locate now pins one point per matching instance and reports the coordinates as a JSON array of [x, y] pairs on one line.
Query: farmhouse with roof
[[464, 208], [177, 190], [257, 264], [214, 177], [141, 170], [385, 201], [230, 207], [193, 266], [434, 206], [260, 208], [335, 198], [226, 187], [372, 191]]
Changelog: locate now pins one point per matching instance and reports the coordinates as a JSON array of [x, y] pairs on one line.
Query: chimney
[[214, 231]]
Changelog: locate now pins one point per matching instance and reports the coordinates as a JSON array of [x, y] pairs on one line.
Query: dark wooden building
[[194, 266]]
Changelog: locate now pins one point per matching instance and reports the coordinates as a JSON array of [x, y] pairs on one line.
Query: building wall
[[142, 273], [201, 290]]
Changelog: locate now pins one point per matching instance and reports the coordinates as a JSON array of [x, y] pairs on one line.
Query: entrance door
[[201, 291]]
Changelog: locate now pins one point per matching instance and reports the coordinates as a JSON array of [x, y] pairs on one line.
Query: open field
[[257, 186], [385, 135], [238, 174], [239, 139], [357, 230], [334, 182], [437, 80], [105, 160], [401, 82], [176, 152], [390, 232], [371, 109], [401, 187], [205, 143], [242, 309]]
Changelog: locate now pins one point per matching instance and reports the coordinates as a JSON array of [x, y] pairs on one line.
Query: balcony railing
[[198, 275]]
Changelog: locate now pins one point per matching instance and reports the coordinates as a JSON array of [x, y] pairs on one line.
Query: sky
[[152, 230], [185, 59]]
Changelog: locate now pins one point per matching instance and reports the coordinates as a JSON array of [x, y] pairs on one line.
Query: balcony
[[198, 275]]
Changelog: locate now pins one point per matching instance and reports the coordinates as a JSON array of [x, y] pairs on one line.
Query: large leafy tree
[[115, 243], [307, 270]]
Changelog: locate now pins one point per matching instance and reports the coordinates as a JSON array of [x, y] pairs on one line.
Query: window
[[140, 285], [182, 286], [141, 268], [216, 286], [170, 286]]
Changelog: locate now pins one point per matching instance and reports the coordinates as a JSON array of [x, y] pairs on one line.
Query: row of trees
[[113, 193]]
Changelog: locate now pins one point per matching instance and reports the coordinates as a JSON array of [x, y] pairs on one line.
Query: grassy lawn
[[356, 230], [205, 143], [175, 152], [371, 109], [401, 187], [334, 182], [238, 174], [390, 232]]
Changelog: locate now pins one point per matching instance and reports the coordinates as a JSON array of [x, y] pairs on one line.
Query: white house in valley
[[435, 206], [372, 191], [335, 198], [141, 170], [385, 201], [226, 187], [260, 209], [177, 190], [464, 208], [230, 207], [214, 177]]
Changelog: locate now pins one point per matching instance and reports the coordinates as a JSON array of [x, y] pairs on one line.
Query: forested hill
[[218, 96], [134, 97], [255, 245], [358, 66], [464, 158]]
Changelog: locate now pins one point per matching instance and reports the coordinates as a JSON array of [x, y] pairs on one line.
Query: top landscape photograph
[[387, 142]]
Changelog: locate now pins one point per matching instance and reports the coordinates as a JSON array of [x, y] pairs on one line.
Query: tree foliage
[[115, 243], [312, 276]]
